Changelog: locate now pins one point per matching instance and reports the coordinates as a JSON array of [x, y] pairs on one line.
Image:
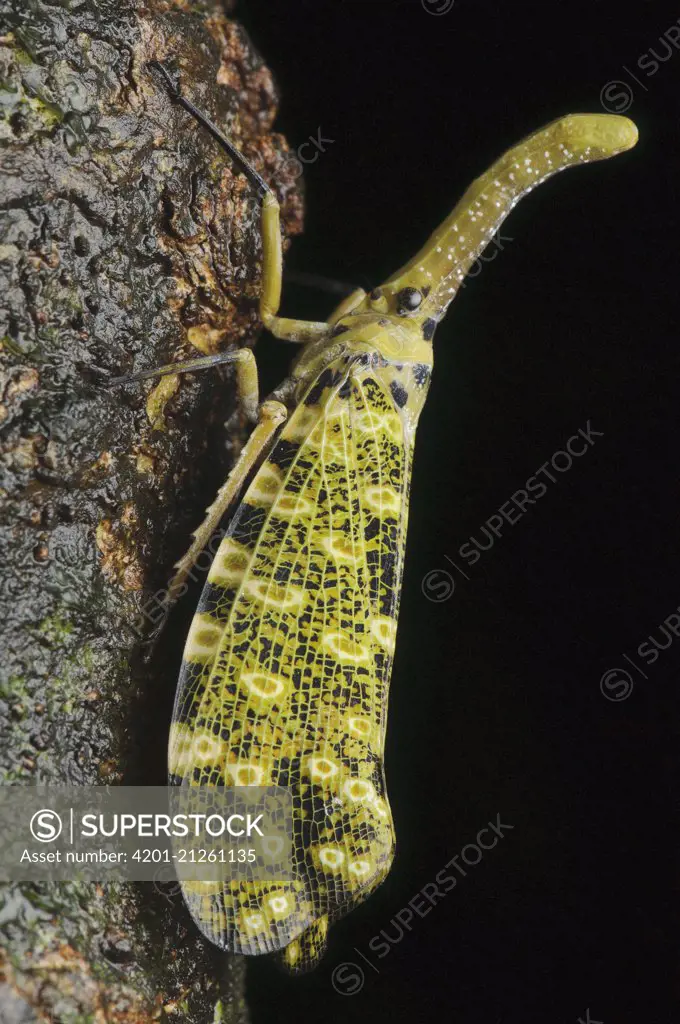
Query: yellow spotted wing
[[287, 663]]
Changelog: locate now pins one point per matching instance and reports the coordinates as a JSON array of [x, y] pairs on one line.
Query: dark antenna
[[186, 366], [253, 177], [320, 282], [173, 91]]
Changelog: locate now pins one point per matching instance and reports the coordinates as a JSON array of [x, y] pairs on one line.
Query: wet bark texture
[[126, 241]]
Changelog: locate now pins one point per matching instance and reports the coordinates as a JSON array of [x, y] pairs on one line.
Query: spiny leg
[[272, 415], [272, 253], [269, 416]]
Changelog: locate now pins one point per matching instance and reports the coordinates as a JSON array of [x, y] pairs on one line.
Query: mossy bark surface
[[127, 240]]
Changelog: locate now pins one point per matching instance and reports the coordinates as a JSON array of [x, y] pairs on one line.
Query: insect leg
[[347, 305], [272, 258], [272, 267], [248, 383], [271, 415], [246, 374]]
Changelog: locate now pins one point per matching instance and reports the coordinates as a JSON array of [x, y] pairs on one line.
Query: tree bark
[[127, 240]]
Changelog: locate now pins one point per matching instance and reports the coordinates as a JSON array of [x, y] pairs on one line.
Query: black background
[[496, 705]]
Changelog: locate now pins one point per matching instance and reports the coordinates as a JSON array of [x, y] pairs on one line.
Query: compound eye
[[408, 300]]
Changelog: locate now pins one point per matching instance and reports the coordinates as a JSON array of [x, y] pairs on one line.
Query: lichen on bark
[[127, 240]]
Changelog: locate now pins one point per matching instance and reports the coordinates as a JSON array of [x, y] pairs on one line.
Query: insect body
[[287, 663]]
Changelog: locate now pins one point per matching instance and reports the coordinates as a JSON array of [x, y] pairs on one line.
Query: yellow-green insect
[[287, 664]]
